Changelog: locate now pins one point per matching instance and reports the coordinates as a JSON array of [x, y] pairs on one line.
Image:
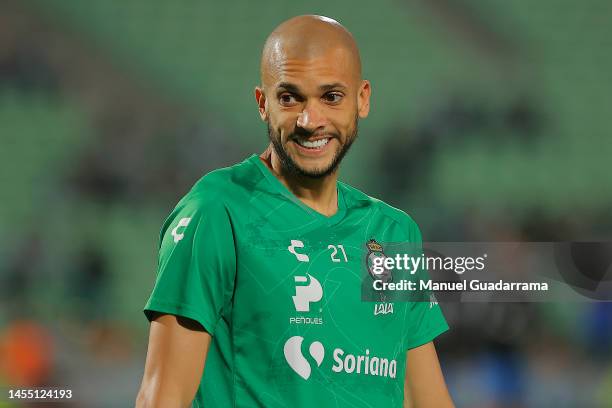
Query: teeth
[[313, 145]]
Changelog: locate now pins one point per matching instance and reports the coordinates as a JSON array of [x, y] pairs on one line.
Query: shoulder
[[390, 213], [227, 182], [222, 186], [213, 193]]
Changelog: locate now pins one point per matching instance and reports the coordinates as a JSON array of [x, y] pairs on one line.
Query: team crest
[[375, 250]]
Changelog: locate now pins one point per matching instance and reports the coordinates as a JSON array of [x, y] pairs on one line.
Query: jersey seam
[[232, 300]]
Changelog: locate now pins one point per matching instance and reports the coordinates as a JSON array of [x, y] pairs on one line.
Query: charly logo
[[375, 250], [307, 290], [364, 364], [297, 361], [296, 243], [182, 223]]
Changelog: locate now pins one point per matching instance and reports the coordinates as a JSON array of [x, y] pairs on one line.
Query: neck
[[317, 193]]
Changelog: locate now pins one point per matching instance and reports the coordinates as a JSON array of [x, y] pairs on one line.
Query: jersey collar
[[280, 188]]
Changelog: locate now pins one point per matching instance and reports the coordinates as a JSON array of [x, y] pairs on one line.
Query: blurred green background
[[490, 121]]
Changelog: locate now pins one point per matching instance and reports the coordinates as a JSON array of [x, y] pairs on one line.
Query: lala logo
[[383, 308]]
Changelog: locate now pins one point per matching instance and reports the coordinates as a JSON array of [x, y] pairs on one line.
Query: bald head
[[311, 95], [306, 38]]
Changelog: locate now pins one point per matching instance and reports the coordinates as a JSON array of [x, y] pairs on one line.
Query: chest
[[311, 276]]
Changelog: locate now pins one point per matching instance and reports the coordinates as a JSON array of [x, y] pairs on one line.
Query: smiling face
[[312, 94]]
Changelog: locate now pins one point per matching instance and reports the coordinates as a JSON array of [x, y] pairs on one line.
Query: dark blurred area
[[490, 122]]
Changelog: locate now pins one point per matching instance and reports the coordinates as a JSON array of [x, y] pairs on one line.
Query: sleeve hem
[[427, 337], [180, 309]]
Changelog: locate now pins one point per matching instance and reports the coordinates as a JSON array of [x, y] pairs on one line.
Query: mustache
[[303, 133]]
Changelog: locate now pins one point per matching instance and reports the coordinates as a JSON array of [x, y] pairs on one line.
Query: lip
[[314, 139]]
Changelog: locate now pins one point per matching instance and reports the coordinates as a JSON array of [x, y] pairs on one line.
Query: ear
[[363, 99], [260, 97]]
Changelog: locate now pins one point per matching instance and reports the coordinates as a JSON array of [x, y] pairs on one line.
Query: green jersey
[[279, 287]]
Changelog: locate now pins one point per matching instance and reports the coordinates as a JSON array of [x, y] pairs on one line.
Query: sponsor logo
[[307, 290], [297, 361], [364, 364], [306, 294], [306, 320], [182, 223], [383, 308], [295, 243]]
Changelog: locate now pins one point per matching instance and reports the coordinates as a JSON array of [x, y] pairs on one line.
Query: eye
[[287, 99], [333, 97]]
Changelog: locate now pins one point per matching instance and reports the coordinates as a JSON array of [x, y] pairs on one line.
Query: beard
[[290, 167]]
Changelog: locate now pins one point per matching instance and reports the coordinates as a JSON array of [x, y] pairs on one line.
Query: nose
[[311, 118]]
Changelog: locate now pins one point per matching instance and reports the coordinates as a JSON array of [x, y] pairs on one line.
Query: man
[[259, 266]]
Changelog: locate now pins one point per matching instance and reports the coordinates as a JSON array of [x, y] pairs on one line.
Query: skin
[[311, 89], [424, 386], [175, 363]]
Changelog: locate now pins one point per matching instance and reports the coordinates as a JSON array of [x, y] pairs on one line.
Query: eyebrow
[[288, 86], [335, 85], [326, 87]]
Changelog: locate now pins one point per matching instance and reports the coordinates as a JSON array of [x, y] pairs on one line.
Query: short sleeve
[[425, 320], [196, 264]]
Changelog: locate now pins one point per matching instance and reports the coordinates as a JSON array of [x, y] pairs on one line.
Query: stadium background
[[490, 121]]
